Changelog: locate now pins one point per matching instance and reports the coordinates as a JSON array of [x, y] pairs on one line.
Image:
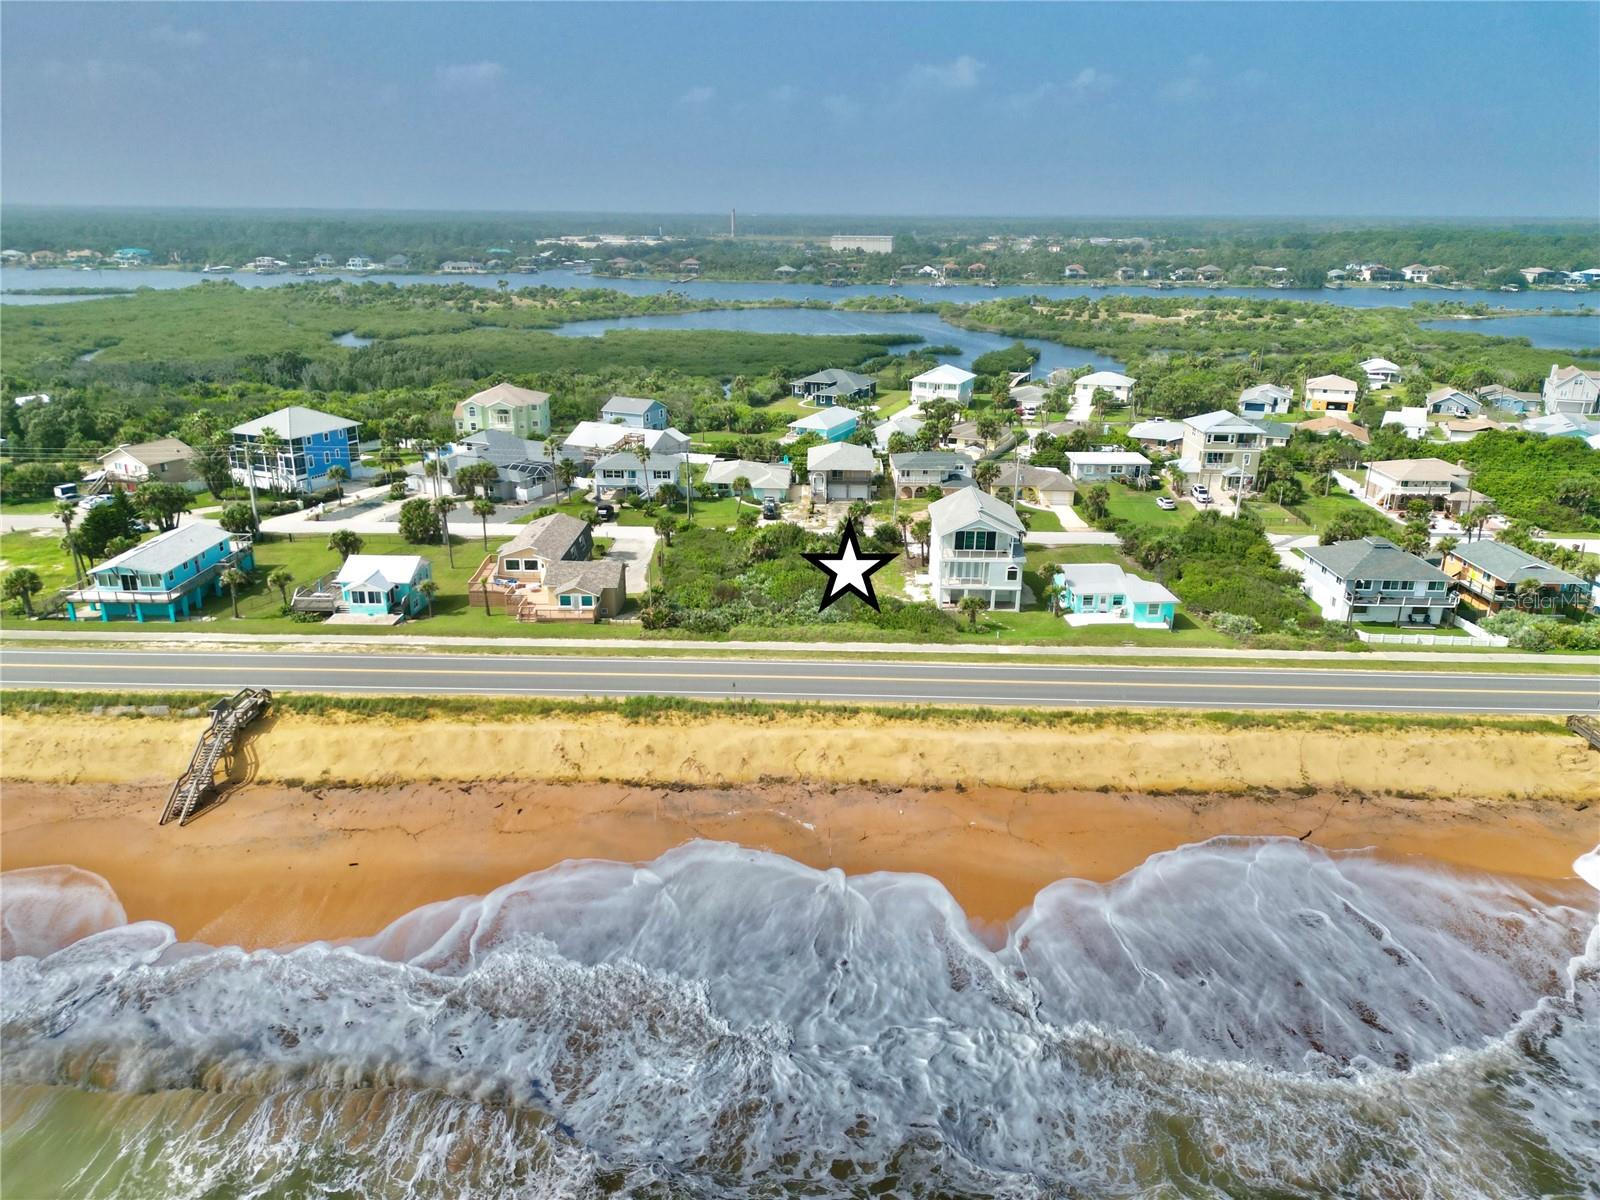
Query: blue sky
[[998, 109]]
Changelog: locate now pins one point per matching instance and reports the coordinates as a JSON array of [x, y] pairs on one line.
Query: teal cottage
[[1105, 594], [165, 578], [383, 585]]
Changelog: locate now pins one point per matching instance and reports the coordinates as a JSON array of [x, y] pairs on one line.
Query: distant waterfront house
[[834, 386], [625, 472], [1119, 385], [397, 262], [323, 262], [1465, 429], [1265, 400], [840, 471], [945, 382], [830, 424], [1493, 576], [1571, 390], [1330, 393], [594, 439], [1101, 466], [942, 469], [975, 549], [165, 460], [768, 481], [132, 256], [1452, 402], [1508, 400], [1103, 593], [1074, 271], [383, 585], [1327, 426], [1380, 372], [1564, 425], [169, 576], [310, 444], [545, 573], [1413, 422], [524, 469], [358, 262], [1028, 399], [901, 422], [505, 407], [1537, 274], [1391, 484], [863, 243], [636, 412], [1162, 435], [1372, 580]]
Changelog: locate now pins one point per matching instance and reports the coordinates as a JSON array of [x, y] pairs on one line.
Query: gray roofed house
[[167, 551], [636, 412], [1265, 399], [1371, 579], [767, 480], [834, 386], [524, 468], [1157, 434], [1489, 574], [917, 469], [593, 575], [1047, 483], [552, 537], [840, 471], [546, 573], [901, 422], [1453, 402]]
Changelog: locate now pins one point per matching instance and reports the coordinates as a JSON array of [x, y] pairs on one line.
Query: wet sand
[[273, 865]]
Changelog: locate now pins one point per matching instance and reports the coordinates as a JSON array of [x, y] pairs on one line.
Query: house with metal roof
[[840, 471], [1371, 579], [1105, 594], [918, 469], [1265, 400], [975, 549], [768, 481], [1157, 434], [1413, 422], [507, 408], [1493, 575], [309, 445], [1222, 450], [1099, 466], [830, 424], [383, 587], [636, 412], [625, 471], [946, 382], [834, 386], [169, 576], [590, 440]]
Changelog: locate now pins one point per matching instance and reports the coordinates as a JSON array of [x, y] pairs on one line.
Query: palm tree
[[566, 472], [270, 445], [345, 542], [337, 475], [428, 589], [22, 583], [741, 485], [1528, 594], [281, 578], [986, 473], [442, 506], [234, 579], [483, 510], [66, 513], [922, 530], [973, 605], [1051, 596]]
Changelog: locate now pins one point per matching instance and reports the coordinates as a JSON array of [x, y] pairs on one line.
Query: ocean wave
[[1234, 1017]]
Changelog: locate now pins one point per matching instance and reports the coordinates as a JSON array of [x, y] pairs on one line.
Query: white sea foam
[[1237, 1015]]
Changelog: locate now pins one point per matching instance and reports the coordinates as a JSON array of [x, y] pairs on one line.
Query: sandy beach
[[339, 827]]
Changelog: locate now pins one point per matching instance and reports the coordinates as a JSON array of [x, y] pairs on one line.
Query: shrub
[[1536, 632], [1235, 625], [419, 522]]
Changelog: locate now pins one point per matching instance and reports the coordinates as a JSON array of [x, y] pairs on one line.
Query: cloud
[[1092, 79], [464, 76], [182, 39], [698, 96], [1089, 81], [785, 93], [958, 75], [1184, 88]]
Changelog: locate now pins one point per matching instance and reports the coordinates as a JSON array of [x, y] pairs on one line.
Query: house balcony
[[97, 594], [1426, 599], [1014, 554]]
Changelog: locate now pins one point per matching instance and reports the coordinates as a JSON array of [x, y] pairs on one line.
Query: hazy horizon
[[958, 111]]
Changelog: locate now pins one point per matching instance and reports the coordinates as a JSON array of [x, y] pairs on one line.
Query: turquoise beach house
[[165, 578], [383, 585], [1105, 594]]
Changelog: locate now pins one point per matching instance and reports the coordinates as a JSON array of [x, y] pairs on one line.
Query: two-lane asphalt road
[[977, 683]]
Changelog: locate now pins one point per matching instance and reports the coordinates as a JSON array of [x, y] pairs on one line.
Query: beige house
[[546, 573], [1392, 483], [1222, 451], [840, 471], [165, 460], [1331, 393], [505, 407]]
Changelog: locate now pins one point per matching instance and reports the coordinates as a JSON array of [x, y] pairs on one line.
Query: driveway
[[634, 545]]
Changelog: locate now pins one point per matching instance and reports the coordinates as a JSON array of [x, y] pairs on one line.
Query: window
[[588, 602], [1011, 574], [965, 572], [511, 564], [1436, 587], [1118, 601], [975, 539], [566, 602]]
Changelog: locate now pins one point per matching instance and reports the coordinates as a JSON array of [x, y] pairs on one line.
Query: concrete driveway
[[634, 545]]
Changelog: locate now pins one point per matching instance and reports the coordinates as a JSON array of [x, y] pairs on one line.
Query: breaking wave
[[1234, 1018]]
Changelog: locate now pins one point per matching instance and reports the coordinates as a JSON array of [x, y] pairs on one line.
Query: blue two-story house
[[170, 576], [310, 443], [635, 412]]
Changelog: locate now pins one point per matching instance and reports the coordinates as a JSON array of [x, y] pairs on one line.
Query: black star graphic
[[849, 571]]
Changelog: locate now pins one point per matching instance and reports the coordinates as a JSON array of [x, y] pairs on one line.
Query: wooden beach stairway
[[1587, 728], [229, 719]]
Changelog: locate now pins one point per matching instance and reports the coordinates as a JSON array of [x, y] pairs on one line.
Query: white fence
[[1476, 637]]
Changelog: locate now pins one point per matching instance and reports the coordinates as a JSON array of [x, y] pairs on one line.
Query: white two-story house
[[975, 549], [918, 469], [1573, 391], [1330, 393], [1371, 579], [1119, 386], [625, 471], [945, 382]]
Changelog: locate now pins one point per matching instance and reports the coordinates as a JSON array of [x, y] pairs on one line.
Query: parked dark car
[[769, 508], [604, 511]]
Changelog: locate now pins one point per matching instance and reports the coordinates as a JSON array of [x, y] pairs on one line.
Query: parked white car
[[1201, 494], [1166, 502]]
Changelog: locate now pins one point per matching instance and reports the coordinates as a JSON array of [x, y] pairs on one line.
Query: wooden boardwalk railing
[[229, 719]]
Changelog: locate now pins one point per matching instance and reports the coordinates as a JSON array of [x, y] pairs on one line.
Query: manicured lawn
[[717, 513], [1276, 519], [1140, 507], [1042, 520], [41, 550], [29, 507]]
